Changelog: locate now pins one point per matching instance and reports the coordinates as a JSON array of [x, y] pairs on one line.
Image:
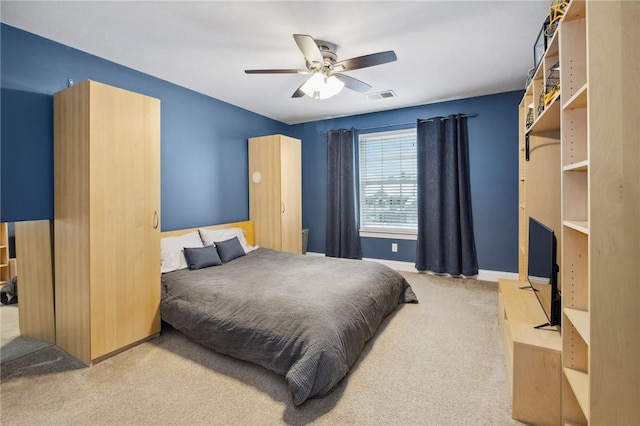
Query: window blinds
[[388, 182]]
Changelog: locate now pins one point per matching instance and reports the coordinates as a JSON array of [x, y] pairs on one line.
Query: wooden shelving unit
[[4, 253], [600, 341], [575, 196], [539, 180], [533, 355], [588, 135]]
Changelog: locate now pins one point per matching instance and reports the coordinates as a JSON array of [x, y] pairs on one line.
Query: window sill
[[389, 235]]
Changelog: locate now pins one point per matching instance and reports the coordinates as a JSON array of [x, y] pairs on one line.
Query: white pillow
[[210, 236], [172, 251]]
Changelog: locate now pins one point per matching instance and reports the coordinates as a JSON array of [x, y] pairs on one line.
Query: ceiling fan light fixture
[[319, 86]]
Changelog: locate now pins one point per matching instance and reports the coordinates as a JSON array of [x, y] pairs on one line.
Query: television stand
[[532, 356]]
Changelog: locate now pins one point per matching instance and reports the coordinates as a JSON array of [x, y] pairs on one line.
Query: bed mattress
[[306, 318]]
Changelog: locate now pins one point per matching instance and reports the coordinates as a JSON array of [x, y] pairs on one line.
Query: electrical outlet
[[394, 247]]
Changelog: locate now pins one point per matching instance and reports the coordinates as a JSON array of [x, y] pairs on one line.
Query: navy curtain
[[342, 238], [446, 244]]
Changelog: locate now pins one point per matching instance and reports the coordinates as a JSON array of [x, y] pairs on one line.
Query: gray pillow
[[229, 249], [201, 257]]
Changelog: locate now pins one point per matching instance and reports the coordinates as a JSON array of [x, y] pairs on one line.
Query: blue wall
[[204, 149], [27, 154], [203, 140], [493, 146]]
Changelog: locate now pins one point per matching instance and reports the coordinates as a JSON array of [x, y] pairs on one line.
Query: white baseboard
[[314, 253], [487, 275], [483, 274]]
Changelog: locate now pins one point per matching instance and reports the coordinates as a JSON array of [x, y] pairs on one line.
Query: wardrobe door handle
[[156, 219], [283, 208]]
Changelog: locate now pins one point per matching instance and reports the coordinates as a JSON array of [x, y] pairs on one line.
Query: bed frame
[[246, 226]]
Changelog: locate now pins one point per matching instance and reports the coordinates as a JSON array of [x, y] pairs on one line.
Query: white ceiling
[[445, 49]]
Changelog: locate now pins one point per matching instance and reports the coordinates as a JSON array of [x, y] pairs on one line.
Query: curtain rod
[[404, 124], [408, 123], [422, 120]]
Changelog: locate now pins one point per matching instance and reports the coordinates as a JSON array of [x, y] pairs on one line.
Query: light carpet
[[12, 345], [438, 362]]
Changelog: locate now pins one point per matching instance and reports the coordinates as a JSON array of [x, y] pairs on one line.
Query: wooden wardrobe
[[107, 223], [275, 192]]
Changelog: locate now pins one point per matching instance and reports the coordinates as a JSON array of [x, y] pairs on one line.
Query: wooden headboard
[[246, 226]]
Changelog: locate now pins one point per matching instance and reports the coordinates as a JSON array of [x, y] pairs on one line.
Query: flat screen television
[[543, 270]]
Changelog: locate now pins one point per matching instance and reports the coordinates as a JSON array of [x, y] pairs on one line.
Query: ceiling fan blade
[[299, 93], [309, 48], [277, 71], [365, 61], [353, 83]]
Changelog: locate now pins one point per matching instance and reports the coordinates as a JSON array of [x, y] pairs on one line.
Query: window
[[388, 182]]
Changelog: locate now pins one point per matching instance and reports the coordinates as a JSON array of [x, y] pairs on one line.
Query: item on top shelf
[[530, 74], [529, 120], [552, 85], [541, 104], [556, 12], [540, 45]]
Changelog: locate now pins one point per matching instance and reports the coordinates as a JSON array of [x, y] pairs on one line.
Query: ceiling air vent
[[382, 95]]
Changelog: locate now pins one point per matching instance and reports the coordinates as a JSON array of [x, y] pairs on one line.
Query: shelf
[[539, 71], [4, 254], [577, 167], [549, 120], [579, 383], [552, 46], [580, 321], [578, 100], [578, 225]]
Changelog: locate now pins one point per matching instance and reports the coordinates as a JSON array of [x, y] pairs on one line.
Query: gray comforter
[[304, 317]]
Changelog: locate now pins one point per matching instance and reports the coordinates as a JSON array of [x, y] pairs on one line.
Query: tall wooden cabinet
[[275, 192], [106, 206], [594, 119]]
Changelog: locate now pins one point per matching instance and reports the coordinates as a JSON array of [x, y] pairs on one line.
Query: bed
[[304, 317]]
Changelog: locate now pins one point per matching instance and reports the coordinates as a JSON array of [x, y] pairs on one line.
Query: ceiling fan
[[326, 71]]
